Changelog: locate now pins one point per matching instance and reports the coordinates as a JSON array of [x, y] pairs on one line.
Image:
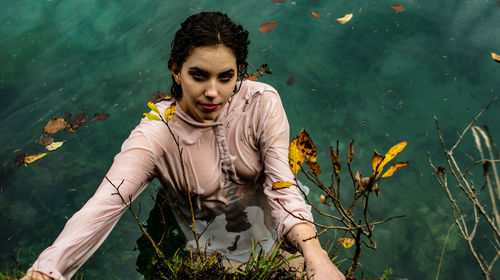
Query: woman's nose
[[211, 90]]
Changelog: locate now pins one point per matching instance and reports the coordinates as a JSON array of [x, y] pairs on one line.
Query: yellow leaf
[[345, 18], [281, 185], [396, 149], [314, 166], [169, 113], [306, 146], [151, 116], [54, 145], [295, 157], [346, 242], [394, 168], [30, 159], [376, 160], [335, 161], [496, 57], [54, 125], [153, 107]]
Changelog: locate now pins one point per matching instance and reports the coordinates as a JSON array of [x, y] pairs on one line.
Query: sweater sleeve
[[131, 171], [274, 141]]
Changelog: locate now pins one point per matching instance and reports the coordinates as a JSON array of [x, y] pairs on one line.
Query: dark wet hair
[[208, 29]]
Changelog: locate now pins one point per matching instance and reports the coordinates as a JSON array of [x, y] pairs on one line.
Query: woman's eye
[[225, 78]]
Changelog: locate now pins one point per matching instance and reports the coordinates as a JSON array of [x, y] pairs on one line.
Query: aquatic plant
[[475, 207]]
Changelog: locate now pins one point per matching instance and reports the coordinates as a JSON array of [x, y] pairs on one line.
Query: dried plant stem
[[128, 204], [444, 249]]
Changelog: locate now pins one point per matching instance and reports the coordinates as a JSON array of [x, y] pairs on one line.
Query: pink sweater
[[230, 166]]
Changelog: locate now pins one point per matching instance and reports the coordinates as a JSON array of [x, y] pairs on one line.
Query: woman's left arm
[[317, 262]]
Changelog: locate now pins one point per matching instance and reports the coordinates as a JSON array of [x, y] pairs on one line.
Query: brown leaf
[[290, 81], [306, 145], [281, 185], [335, 161], [46, 141], [267, 27], [19, 159], [398, 8], [314, 166], [159, 96], [350, 153], [440, 170], [316, 15], [278, 1], [54, 125], [375, 189], [253, 77], [78, 121], [67, 117], [100, 116]]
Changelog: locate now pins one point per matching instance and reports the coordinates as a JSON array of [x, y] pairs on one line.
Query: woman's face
[[207, 78]]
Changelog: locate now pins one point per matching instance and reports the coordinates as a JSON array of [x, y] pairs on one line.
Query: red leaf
[[316, 15], [100, 116], [290, 81], [398, 8], [267, 27]]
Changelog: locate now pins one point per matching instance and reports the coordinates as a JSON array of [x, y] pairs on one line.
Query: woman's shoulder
[[252, 89]]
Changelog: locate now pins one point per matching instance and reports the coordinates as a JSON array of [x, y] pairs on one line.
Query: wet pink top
[[230, 166]]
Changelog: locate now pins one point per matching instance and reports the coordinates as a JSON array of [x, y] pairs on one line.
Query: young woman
[[234, 135]]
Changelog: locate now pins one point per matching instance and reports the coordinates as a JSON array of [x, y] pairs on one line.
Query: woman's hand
[[36, 275], [318, 264]]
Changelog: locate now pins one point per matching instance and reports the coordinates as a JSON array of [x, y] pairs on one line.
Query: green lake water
[[380, 79]]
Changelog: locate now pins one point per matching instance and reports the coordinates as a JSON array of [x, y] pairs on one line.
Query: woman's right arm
[[132, 170]]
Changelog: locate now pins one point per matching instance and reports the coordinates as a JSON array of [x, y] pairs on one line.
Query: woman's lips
[[209, 107]]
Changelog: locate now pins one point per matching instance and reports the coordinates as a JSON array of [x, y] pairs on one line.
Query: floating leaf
[[290, 81], [252, 77], [54, 146], [30, 159], [394, 168], [398, 8], [19, 159], [396, 149], [316, 15], [376, 160], [278, 1], [67, 117], [152, 106], [345, 18], [151, 116], [169, 113], [100, 116], [496, 57], [281, 185], [267, 27], [295, 157], [346, 242], [54, 125], [46, 140], [323, 199], [350, 152], [78, 121], [335, 161]]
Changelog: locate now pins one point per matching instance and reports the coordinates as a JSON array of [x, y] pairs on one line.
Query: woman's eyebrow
[[197, 69]]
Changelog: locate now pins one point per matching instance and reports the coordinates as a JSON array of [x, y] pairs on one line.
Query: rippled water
[[380, 79]]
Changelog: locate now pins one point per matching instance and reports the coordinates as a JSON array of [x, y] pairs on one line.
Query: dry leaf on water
[[267, 27], [252, 77], [78, 121], [496, 57], [100, 116], [46, 140], [281, 185], [30, 159], [67, 117], [345, 18], [54, 146], [316, 15], [398, 8], [19, 159], [278, 1], [290, 81], [346, 242], [54, 125]]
